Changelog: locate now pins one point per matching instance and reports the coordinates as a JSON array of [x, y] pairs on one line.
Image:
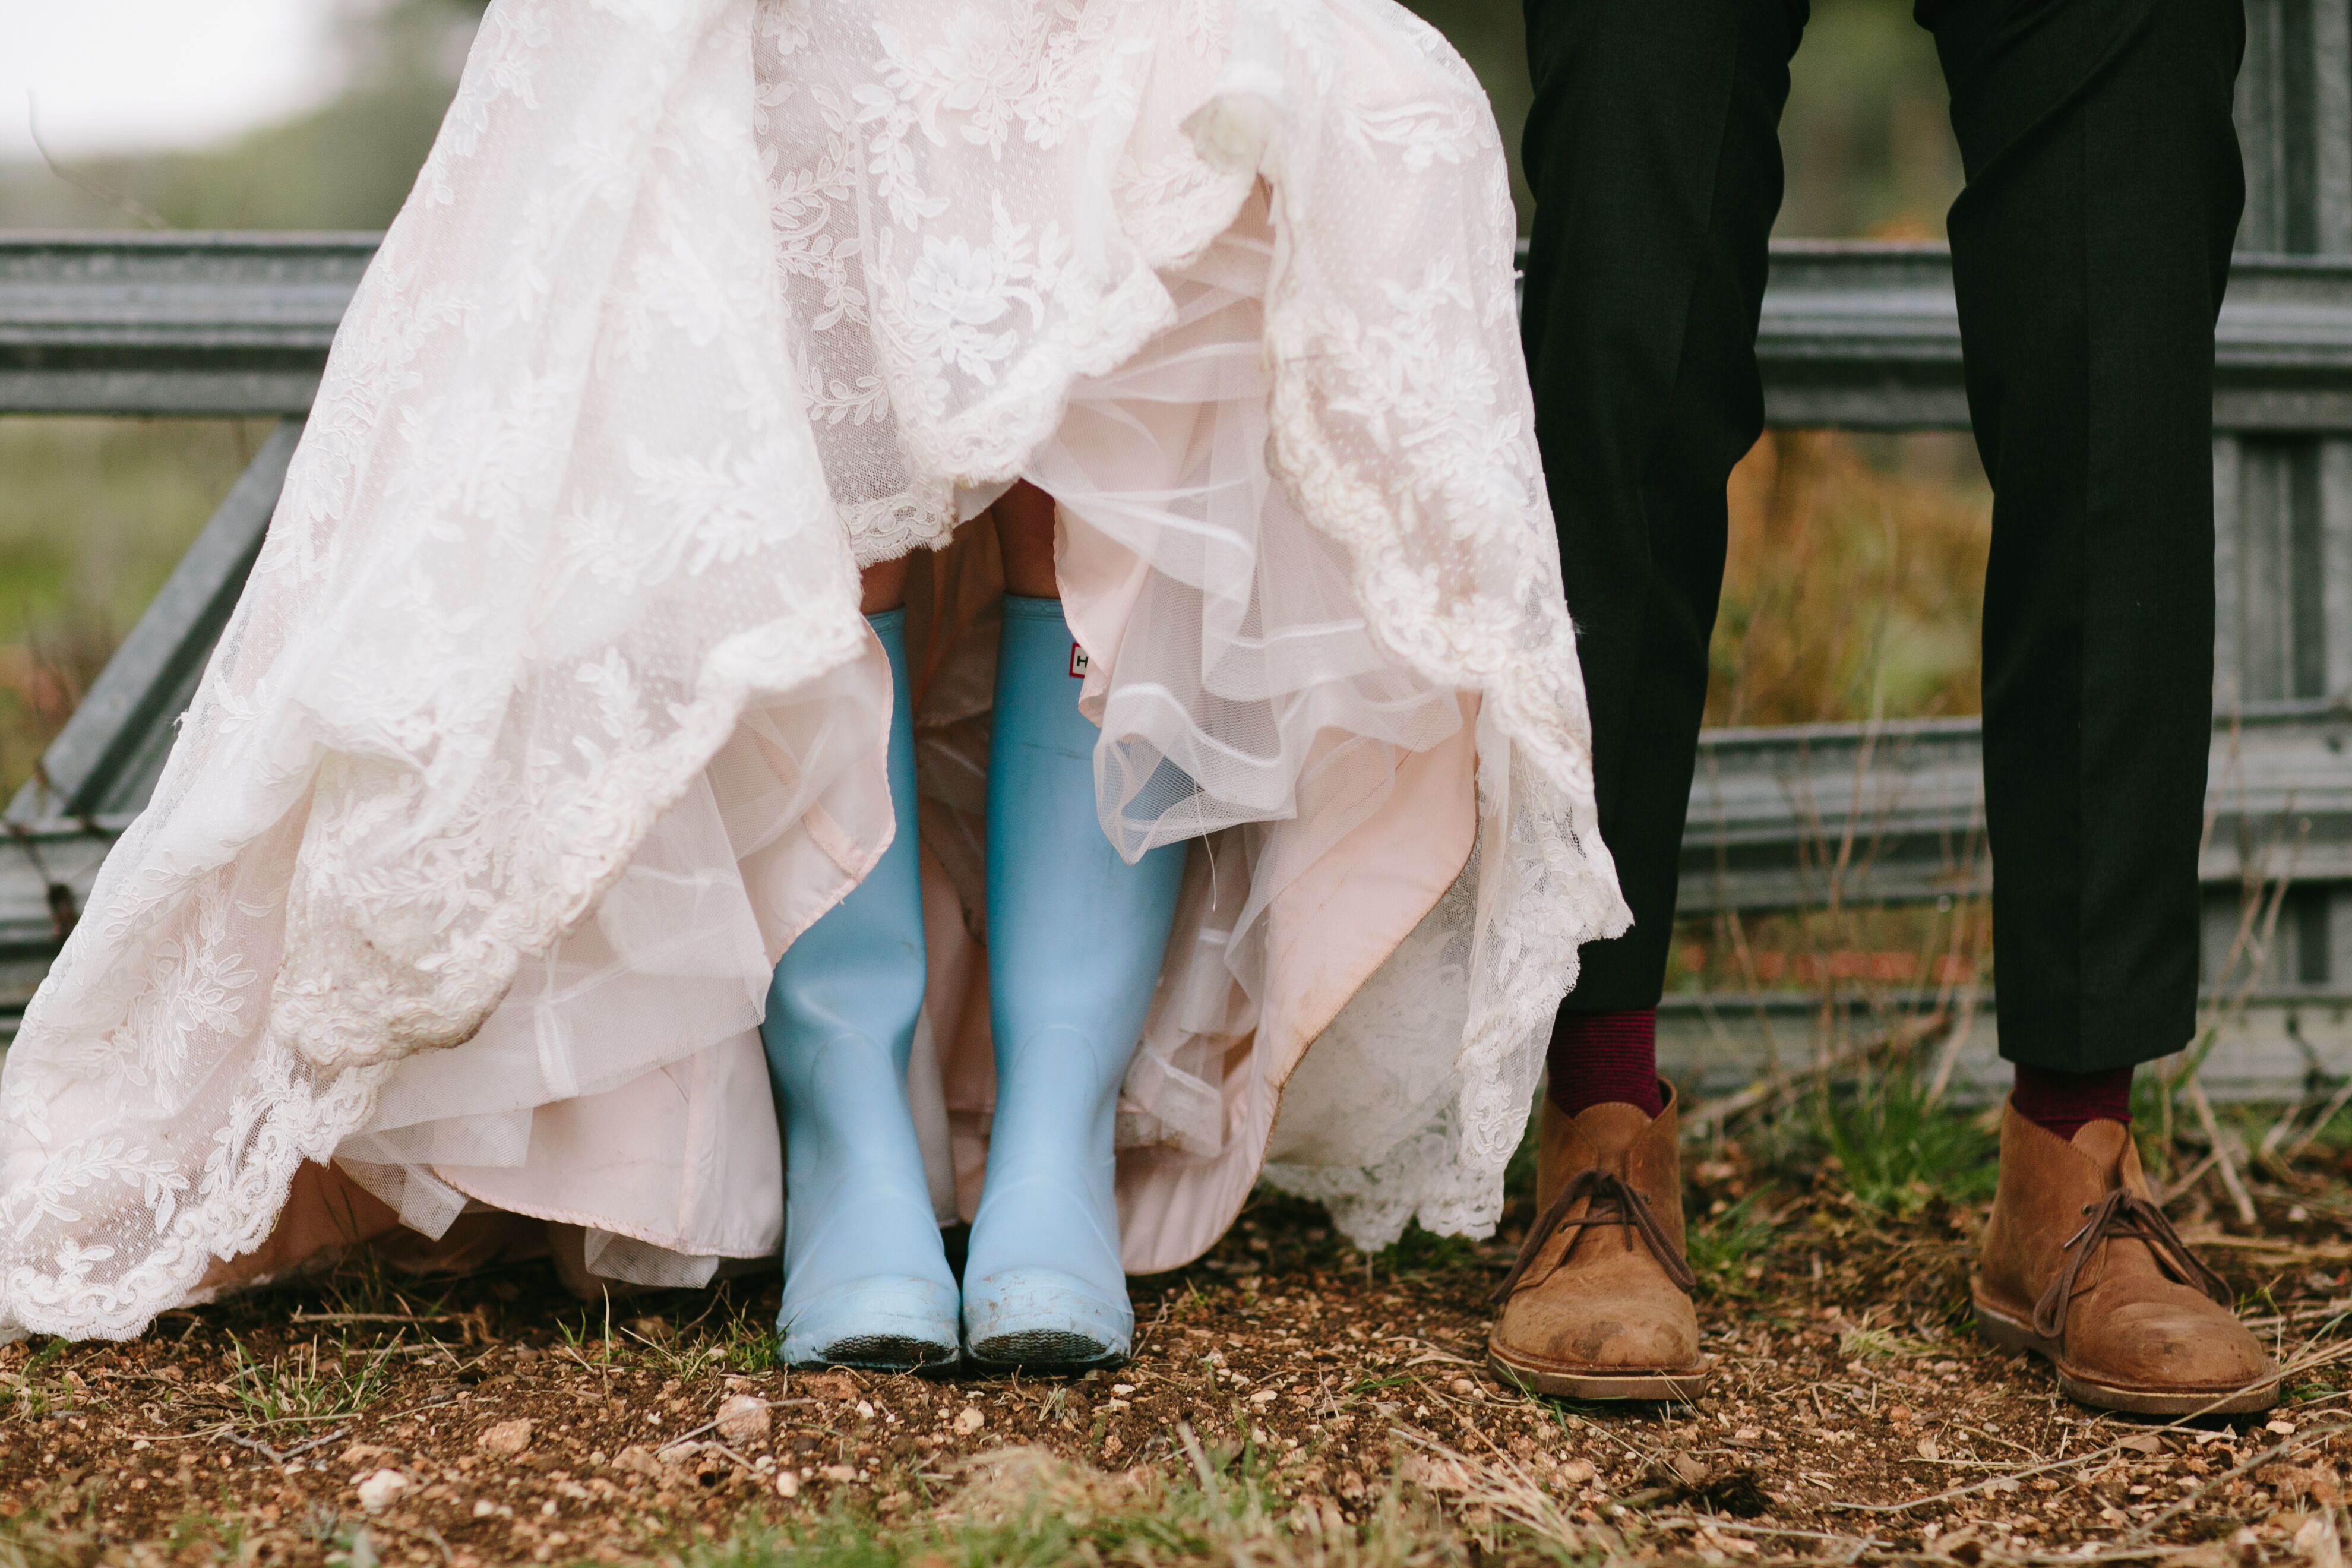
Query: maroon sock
[[2064, 1101], [1598, 1059]]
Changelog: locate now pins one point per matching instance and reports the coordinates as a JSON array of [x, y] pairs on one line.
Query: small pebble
[[636, 1460], [378, 1491], [743, 1420], [506, 1440]]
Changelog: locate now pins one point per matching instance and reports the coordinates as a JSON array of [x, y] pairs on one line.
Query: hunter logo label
[[1077, 662]]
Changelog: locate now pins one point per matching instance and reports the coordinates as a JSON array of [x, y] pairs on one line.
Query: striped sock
[[1598, 1059], [2064, 1101]]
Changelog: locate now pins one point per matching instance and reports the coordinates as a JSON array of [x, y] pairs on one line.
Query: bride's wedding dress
[[549, 718]]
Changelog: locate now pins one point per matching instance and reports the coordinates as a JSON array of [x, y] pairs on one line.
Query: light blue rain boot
[[866, 1277], [1075, 940]]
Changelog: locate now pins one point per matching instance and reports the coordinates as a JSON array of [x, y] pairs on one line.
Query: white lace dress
[[548, 718]]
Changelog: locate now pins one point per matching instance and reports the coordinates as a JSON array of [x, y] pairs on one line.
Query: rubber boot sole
[[1645, 1384], [1042, 1320], [887, 1353], [1045, 1351], [2012, 1333]]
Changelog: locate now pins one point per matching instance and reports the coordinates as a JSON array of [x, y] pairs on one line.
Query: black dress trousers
[[2090, 250]]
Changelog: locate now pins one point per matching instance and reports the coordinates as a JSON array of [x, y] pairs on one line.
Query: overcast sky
[[112, 76]]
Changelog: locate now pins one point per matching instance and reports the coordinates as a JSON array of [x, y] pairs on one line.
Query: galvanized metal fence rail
[[1863, 336]]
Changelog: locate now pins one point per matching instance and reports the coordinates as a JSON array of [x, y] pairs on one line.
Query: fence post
[[2283, 512]]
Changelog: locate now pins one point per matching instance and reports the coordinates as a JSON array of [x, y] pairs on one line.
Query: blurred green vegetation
[[346, 164], [1867, 135], [94, 513]]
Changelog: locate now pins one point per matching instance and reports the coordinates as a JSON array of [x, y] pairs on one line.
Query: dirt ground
[[362, 1416]]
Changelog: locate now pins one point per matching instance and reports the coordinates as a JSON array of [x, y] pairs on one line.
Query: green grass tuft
[[302, 1385], [1899, 1151], [1719, 1247]]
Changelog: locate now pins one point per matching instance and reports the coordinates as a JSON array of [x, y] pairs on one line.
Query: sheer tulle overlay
[[548, 719]]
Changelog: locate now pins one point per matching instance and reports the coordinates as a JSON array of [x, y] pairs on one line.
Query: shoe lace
[[1611, 1202], [2123, 1214]]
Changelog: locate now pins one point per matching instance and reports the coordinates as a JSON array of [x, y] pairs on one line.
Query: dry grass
[[1854, 587]]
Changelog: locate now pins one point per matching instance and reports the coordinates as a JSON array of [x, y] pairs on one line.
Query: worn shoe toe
[[1597, 1305], [2081, 1267]]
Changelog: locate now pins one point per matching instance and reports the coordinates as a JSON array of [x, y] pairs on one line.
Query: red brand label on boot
[[1077, 662]]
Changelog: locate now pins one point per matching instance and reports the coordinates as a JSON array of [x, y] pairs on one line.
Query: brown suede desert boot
[[2080, 1266], [1597, 1305]]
